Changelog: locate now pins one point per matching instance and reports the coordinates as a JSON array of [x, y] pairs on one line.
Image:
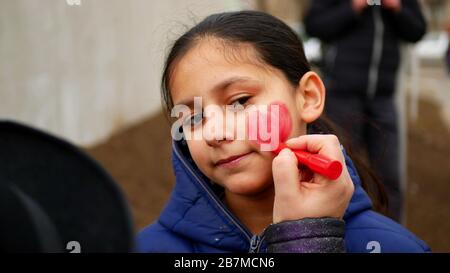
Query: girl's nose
[[216, 143], [218, 128]]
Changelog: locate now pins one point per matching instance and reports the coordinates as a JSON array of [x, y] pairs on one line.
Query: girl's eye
[[194, 120], [241, 101]]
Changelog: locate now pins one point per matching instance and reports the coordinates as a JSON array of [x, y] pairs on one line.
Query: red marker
[[317, 163]]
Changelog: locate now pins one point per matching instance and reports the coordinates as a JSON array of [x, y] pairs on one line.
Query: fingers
[[286, 175], [327, 145], [296, 196]]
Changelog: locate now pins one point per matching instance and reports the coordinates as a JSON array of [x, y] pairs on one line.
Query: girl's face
[[207, 71]]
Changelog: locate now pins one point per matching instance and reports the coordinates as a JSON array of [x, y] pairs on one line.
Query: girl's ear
[[310, 97]]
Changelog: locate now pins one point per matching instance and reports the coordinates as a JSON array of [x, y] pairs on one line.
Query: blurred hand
[[359, 5], [393, 5], [303, 194]]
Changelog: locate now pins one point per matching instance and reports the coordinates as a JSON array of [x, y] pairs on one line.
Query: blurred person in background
[[362, 56]]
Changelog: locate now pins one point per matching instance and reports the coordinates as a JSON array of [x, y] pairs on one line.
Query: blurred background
[[89, 71]]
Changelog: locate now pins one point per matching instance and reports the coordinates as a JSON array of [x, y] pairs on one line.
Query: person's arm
[[326, 19], [309, 235], [408, 21]]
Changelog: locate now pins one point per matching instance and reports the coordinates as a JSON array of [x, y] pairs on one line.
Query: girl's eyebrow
[[223, 85]]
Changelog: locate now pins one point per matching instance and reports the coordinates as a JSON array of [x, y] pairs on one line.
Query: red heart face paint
[[273, 127], [270, 127]]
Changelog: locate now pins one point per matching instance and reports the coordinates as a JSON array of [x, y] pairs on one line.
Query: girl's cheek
[[236, 123], [195, 150]]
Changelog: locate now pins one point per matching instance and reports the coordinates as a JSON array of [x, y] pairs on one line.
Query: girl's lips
[[232, 161]]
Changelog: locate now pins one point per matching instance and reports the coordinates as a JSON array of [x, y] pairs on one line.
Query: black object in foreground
[[55, 198]]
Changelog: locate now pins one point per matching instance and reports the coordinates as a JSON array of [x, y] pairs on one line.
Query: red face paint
[[278, 118]]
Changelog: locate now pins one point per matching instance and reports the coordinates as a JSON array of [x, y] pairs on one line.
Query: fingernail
[[285, 152]]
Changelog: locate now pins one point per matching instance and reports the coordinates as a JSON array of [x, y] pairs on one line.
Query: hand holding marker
[[317, 163]]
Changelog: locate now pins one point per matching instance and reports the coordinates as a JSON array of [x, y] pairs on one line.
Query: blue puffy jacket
[[195, 220]]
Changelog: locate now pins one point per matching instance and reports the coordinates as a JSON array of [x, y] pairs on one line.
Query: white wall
[[85, 71]]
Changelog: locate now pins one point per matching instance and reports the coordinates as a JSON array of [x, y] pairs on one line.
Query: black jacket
[[363, 54]]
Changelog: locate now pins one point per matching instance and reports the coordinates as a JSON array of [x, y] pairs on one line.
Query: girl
[[232, 197]]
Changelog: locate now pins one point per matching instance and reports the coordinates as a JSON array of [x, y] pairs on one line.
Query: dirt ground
[[428, 189], [139, 159]]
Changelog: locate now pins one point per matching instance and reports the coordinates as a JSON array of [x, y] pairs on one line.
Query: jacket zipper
[[243, 229], [255, 243], [376, 54]]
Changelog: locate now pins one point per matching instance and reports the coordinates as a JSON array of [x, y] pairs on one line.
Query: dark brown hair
[[278, 46]]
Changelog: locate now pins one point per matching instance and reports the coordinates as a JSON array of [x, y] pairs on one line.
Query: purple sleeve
[[309, 235]]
